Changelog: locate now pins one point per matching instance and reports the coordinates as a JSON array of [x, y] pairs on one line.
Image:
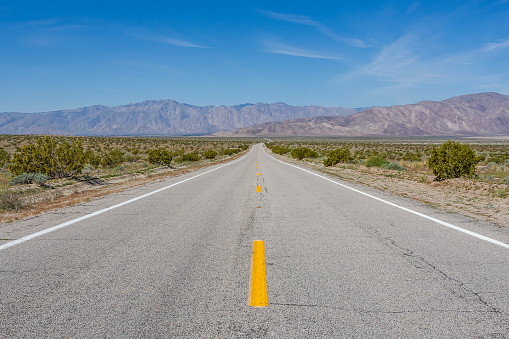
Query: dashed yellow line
[[258, 284], [258, 188]]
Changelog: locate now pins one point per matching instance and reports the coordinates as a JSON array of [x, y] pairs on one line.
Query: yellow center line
[[258, 188], [258, 284]]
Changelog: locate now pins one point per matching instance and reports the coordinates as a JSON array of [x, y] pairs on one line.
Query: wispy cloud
[[398, 63], [172, 41], [495, 45], [51, 24], [305, 20], [301, 53], [279, 48]]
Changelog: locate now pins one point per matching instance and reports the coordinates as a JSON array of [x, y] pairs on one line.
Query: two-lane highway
[[177, 263]]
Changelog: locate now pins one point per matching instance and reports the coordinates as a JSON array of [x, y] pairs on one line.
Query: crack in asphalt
[[410, 253]]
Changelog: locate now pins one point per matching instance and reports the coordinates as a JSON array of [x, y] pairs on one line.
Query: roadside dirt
[[74, 192], [471, 197]]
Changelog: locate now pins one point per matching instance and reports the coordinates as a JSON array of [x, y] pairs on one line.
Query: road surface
[[176, 262]]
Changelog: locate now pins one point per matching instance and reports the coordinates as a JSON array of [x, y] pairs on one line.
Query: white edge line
[[73, 221], [446, 224]]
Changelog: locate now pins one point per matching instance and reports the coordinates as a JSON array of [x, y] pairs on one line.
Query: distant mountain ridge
[[161, 117], [482, 114]]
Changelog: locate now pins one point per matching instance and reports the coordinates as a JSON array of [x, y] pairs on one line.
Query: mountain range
[[483, 114], [161, 117]]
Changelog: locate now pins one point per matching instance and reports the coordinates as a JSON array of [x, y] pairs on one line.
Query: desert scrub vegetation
[[483, 195], [376, 161], [303, 152], [50, 158], [337, 156], [403, 154], [41, 165], [28, 178], [159, 156], [210, 154], [278, 149], [453, 160]]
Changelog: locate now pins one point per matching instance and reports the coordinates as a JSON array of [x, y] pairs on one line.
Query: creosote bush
[[209, 154], [278, 149], [112, 158], [303, 152], [159, 156], [452, 160], [231, 151], [45, 156], [193, 156], [375, 161], [337, 156]]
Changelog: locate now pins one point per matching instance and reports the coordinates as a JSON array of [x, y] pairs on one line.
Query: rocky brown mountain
[[483, 114], [162, 117]]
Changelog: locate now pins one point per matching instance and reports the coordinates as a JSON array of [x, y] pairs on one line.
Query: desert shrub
[[231, 151], [279, 150], [506, 180], [112, 158], [28, 178], [209, 154], [159, 156], [375, 161], [40, 178], [193, 156], [359, 154], [10, 201], [45, 156], [338, 155], [70, 159], [21, 179], [452, 160], [92, 158], [498, 158], [411, 156], [303, 152], [394, 166], [5, 157]]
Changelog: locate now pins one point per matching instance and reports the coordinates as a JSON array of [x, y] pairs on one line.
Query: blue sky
[[68, 54]]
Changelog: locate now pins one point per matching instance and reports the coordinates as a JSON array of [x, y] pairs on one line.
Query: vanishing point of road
[[173, 259]]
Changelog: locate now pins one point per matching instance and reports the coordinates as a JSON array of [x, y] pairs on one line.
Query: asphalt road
[[177, 263]]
